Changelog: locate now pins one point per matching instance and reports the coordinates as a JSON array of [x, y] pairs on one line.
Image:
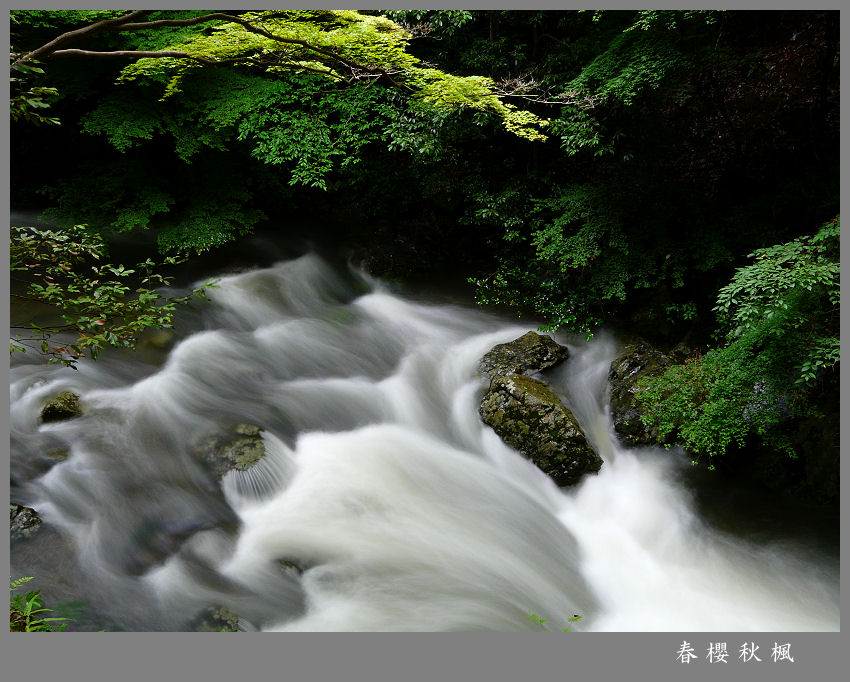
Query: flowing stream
[[383, 502]]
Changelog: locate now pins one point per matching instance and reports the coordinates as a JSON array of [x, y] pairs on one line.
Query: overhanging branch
[[71, 36], [56, 47]]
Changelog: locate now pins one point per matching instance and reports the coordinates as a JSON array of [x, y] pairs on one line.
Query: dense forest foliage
[[669, 173]]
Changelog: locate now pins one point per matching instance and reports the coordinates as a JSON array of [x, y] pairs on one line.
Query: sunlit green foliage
[[338, 45], [306, 92]]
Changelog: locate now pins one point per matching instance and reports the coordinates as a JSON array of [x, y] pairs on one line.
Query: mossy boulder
[[66, 405], [239, 448], [529, 354], [636, 360], [24, 522], [530, 417]]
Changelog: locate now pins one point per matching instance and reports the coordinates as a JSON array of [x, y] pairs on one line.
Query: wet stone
[[291, 567], [66, 405], [24, 522], [216, 619], [238, 450], [530, 417], [636, 360], [529, 354]]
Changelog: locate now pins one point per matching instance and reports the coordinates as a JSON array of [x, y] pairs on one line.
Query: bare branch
[[524, 86], [163, 23], [121, 54], [106, 25]]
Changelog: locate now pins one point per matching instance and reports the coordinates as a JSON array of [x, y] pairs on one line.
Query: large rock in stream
[[637, 359], [527, 414], [529, 354], [66, 405]]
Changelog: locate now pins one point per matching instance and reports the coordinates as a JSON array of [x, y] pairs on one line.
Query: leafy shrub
[[104, 305], [781, 316]]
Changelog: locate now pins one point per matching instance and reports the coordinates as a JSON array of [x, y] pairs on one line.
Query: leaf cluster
[[101, 304], [445, 22], [27, 612], [28, 101], [191, 207], [568, 255]]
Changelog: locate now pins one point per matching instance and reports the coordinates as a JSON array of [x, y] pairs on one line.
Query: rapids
[[400, 509]]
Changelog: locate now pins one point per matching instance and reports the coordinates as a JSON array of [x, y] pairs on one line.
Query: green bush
[[781, 347]]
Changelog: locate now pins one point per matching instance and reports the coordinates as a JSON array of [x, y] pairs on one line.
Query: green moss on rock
[[637, 359], [530, 417], [66, 405], [239, 450], [528, 354], [24, 522], [216, 619]]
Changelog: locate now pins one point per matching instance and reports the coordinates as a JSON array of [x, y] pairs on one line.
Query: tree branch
[[106, 25], [163, 23], [248, 26], [525, 87], [124, 54], [55, 47], [163, 54]]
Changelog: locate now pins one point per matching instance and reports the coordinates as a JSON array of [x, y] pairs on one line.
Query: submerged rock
[[528, 354], [146, 538], [153, 345], [66, 405], [216, 619], [528, 415], [24, 522], [57, 455], [238, 450], [291, 567], [636, 360]]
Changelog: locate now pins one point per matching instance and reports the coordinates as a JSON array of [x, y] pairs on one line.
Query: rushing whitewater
[[399, 508]]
